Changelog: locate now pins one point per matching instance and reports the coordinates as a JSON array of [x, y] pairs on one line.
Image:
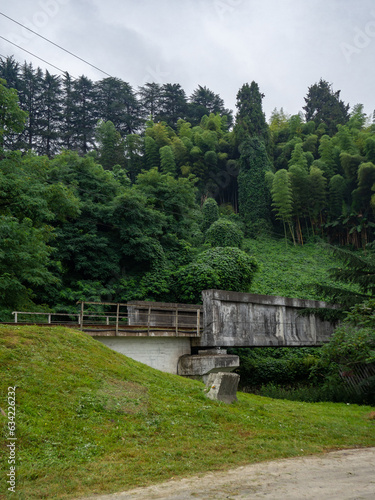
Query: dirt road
[[339, 475]]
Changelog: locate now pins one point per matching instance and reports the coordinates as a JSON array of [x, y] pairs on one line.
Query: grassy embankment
[[90, 420]]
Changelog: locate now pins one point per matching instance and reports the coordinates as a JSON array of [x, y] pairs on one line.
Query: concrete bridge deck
[[164, 335]]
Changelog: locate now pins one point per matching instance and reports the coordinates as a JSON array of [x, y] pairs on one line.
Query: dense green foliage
[[253, 194], [355, 268], [281, 365], [224, 233], [225, 268], [109, 194], [114, 194]]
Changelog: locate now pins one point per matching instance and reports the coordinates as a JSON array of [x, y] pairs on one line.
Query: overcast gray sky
[[284, 45]]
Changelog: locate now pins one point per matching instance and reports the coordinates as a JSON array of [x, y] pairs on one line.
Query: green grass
[[292, 271], [90, 420]]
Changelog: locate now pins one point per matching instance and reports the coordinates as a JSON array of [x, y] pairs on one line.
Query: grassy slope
[[90, 420], [291, 271]]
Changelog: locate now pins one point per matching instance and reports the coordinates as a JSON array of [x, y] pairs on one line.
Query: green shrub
[[363, 314], [221, 268], [350, 345], [210, 212], [258, 371], [234, 267], [224, 233], [192, 279]]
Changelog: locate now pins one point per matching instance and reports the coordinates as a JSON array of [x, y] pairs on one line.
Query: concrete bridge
[[188, 339]]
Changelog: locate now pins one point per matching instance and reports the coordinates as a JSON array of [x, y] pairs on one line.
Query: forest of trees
[[112, 193]]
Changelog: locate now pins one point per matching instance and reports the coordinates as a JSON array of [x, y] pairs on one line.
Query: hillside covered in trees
[[112, 193]]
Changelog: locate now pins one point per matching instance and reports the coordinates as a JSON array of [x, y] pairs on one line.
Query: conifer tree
[[50, 115], [323, 106], [358, 269], [150, 100], [84, 114], [30, 101], [116, 102], [67, 126], [173, 104], [250, 118]]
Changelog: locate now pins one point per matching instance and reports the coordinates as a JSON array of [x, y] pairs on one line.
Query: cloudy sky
[[284, 45]]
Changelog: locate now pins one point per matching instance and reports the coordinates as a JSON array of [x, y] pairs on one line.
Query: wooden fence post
[[117, 317]]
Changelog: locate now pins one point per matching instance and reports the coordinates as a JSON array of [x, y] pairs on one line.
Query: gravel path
[[339, 475]]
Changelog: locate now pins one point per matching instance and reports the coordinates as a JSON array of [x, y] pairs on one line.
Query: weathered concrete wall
[[244, 319], [161, 353]]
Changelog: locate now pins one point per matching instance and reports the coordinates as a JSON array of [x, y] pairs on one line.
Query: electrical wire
[[34, 55], [55, 44]]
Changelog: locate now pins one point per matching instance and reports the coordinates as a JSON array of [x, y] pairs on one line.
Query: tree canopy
[[113, 193]]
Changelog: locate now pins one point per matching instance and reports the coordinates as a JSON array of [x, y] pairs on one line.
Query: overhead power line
[[55, 44], [34, 55]]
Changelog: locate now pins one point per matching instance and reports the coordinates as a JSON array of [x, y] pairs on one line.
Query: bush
[[192, 279], [363, 314], [350, 345], [224, 233], [263, 370], [221, 268], [235, 268], [350, 350]]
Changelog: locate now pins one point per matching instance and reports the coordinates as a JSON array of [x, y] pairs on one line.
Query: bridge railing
[[49, 316], [129, 318], [143, 318]]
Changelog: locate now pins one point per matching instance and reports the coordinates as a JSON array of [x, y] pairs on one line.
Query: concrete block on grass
[[222, 386]]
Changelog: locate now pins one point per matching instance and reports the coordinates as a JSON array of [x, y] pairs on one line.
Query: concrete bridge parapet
[[233, 319]]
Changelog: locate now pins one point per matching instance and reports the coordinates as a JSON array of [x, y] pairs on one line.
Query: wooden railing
[[129, 319], [49, 316], [146, 319]]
